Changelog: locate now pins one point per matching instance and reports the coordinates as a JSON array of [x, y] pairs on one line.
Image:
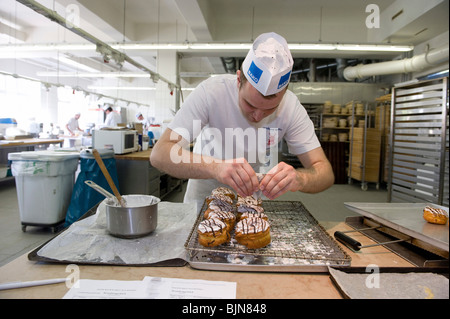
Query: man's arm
[[316, 176], [171, 155]]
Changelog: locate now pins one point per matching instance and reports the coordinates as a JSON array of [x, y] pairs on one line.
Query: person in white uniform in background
[[145, 122], [112, 118], [72, 125], [237, 122]]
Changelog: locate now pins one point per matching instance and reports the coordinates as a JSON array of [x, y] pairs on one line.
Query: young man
[[237, 122]]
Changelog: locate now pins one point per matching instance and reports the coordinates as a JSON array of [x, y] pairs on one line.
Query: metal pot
[[137, 219]]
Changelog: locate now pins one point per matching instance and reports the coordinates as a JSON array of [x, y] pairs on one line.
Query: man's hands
[[279, 180], [238, 174]]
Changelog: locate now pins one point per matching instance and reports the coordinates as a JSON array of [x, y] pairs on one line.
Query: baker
[[237, 122], [112, 118], [144, 121]]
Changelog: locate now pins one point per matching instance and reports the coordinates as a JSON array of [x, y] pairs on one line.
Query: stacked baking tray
[[299, 244]]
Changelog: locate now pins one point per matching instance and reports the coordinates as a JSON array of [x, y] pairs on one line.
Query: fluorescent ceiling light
[[220, 46], [149, 46], [46, 47], [123, 88], [374, 47], [208, 46], [311, 47], [94, 74]]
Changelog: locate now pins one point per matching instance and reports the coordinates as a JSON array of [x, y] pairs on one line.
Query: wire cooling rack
[[298, 242]]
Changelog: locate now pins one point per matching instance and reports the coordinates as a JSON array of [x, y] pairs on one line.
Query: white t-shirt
[[112, 119], [72, 124], [212, 109]]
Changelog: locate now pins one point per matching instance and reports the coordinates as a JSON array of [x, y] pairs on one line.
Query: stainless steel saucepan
[[137, 219]]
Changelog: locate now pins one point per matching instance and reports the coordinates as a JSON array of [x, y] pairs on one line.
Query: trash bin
[[83, 196], [44, 183]]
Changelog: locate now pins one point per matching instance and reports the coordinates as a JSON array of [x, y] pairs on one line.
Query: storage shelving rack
[[419, 144], [365, 149], [336, 151]]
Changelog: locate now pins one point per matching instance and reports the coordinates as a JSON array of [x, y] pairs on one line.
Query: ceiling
[[177, 21]]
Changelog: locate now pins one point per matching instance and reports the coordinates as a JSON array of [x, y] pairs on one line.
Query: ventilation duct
[[230, 65], [414, 64]]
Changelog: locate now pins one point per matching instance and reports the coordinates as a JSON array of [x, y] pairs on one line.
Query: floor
[[325, 207]]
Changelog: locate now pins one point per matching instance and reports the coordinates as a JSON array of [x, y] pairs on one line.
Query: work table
[[29, 142], [137, 176], [135, 156], [250, 285]]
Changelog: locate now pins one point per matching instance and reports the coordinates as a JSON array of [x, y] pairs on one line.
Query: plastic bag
[[83, 196]]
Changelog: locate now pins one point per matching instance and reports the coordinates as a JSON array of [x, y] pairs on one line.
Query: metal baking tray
[[299, 244]]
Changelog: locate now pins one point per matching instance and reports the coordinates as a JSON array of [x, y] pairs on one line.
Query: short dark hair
[[109, 109]]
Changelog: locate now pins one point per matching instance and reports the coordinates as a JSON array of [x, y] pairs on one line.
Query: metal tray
[[299, 244]]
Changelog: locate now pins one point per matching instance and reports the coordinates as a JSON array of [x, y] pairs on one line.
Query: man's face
[[77, 116], [254, 106]]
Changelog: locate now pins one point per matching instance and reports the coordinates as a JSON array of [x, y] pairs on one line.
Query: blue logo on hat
[[284, 80], [254, 72]]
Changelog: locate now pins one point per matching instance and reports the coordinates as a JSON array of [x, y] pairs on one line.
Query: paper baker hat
[[268, 64]]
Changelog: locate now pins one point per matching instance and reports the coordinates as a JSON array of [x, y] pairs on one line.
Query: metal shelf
[[419, 143]]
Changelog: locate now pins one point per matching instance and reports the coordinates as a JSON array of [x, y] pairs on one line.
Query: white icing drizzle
[[221, 215], [249, 200], [436, 211], [222, 191], [211, 225], [218, 205], [220, 197], [250, 208], [252, 226], [253, 215]]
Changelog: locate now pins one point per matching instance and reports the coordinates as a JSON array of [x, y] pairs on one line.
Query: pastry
[[253, 232], [248, 200], [227, 217], [218, 205], [212, 232], [221, 197], [223, 191], [248, 208], [250, 214], [435, 215]]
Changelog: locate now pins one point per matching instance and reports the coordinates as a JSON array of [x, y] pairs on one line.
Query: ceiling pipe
[[312, 70], [55, 17], [414, 64]]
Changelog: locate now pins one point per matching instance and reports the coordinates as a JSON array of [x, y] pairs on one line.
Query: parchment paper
[[392, 285], [88, 240]]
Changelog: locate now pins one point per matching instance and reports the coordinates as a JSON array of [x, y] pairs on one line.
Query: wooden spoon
[[108, 177]]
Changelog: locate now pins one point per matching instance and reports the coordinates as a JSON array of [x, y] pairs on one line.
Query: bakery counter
[[135, 156], [250, 285], [137, 176], [4, 144]]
